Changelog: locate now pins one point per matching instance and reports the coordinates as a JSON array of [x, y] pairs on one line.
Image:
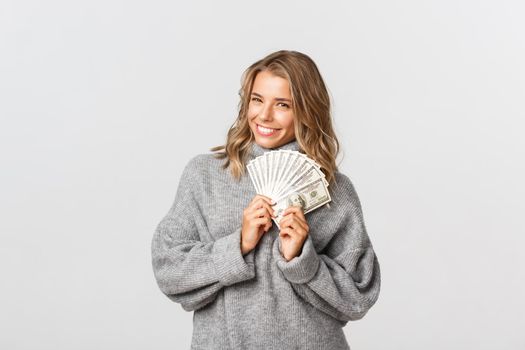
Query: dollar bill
[[309, 197], [281, 166], [254, 178], [290, 178], [305, 175]]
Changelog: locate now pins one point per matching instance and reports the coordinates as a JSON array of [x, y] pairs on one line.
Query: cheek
[[252, 111], [286, 121]]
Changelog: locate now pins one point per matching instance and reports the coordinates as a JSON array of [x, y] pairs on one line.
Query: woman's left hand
[[294, 231]]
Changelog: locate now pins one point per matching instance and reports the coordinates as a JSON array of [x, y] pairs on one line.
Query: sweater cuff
[[301, 268], [231, 266]]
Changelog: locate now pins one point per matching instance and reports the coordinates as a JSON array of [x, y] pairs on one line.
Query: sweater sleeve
[[343, 279], [187, 270]]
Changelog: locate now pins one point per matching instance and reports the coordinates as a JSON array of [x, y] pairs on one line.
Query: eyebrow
[[277, 98]]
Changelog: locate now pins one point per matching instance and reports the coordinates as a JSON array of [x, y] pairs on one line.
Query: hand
[[256, 220], [294, 231]]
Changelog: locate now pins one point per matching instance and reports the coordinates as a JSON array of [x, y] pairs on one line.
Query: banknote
[[289, 178], [309, 197]]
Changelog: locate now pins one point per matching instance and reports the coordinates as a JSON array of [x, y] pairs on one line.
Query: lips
[[266, 131]]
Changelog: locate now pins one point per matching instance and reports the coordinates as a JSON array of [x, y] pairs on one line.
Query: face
[[270, 113]]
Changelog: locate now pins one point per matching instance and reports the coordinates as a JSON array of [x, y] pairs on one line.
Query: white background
[[102, 103]]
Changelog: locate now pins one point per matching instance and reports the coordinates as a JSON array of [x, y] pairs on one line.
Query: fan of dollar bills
[[289, 178]]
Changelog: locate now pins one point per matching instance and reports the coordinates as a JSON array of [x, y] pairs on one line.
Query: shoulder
[[343, 185], [201, 165], [344, 194]]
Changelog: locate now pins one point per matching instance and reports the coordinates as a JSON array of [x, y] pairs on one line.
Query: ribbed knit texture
[[259, 300]]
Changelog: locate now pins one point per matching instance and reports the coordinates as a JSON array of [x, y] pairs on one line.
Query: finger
[[283, 222], [260, 221], [261, 212], [295, 234], [296, 225], [284, 232], [290, 233], [299, 216], [293, 209], [264, 198], [294, 213], [287, 221], [263, 204], [266, 207], [301, 221]]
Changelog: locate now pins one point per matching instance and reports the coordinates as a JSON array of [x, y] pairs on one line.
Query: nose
[[265, 114]]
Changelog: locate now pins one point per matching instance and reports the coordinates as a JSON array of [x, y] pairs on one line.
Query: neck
[[258, 150]]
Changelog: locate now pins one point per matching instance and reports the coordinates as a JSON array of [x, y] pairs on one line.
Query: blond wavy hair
[[313, 127]]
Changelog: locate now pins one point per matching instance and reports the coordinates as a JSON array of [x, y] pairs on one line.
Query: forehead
[[266, 83]]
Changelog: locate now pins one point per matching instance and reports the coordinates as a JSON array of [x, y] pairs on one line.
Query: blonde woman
[[216, 252]]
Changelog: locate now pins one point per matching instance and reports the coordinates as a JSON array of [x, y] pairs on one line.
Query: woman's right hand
[[256, 220]]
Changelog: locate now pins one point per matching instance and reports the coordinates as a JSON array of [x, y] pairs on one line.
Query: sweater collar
[[256, 150]]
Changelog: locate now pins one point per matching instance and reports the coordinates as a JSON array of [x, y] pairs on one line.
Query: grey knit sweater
[[260, 300]]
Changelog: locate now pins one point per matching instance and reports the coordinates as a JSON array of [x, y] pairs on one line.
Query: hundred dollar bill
[[278, 165], [274, 159], [308, 197], [281, 167], [308, 174], [294, 163], [253, 177]]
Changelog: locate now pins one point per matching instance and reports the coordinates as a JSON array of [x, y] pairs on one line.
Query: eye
[[284, 104], [256, 99]]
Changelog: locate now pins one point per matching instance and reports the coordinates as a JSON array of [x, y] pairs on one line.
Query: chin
[[265, 141], [268, 143]]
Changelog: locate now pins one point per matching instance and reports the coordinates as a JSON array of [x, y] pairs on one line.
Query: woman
[[216, 252]]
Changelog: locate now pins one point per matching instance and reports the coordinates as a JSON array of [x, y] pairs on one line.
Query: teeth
[[265, 130]]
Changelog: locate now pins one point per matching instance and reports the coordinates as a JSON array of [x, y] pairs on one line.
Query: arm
[[187, 270], [343, 280]]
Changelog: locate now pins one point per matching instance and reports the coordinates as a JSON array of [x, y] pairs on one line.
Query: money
[[308, 197], [289, 178]]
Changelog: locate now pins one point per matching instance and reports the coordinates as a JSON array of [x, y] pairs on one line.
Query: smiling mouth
[[266, 131]]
